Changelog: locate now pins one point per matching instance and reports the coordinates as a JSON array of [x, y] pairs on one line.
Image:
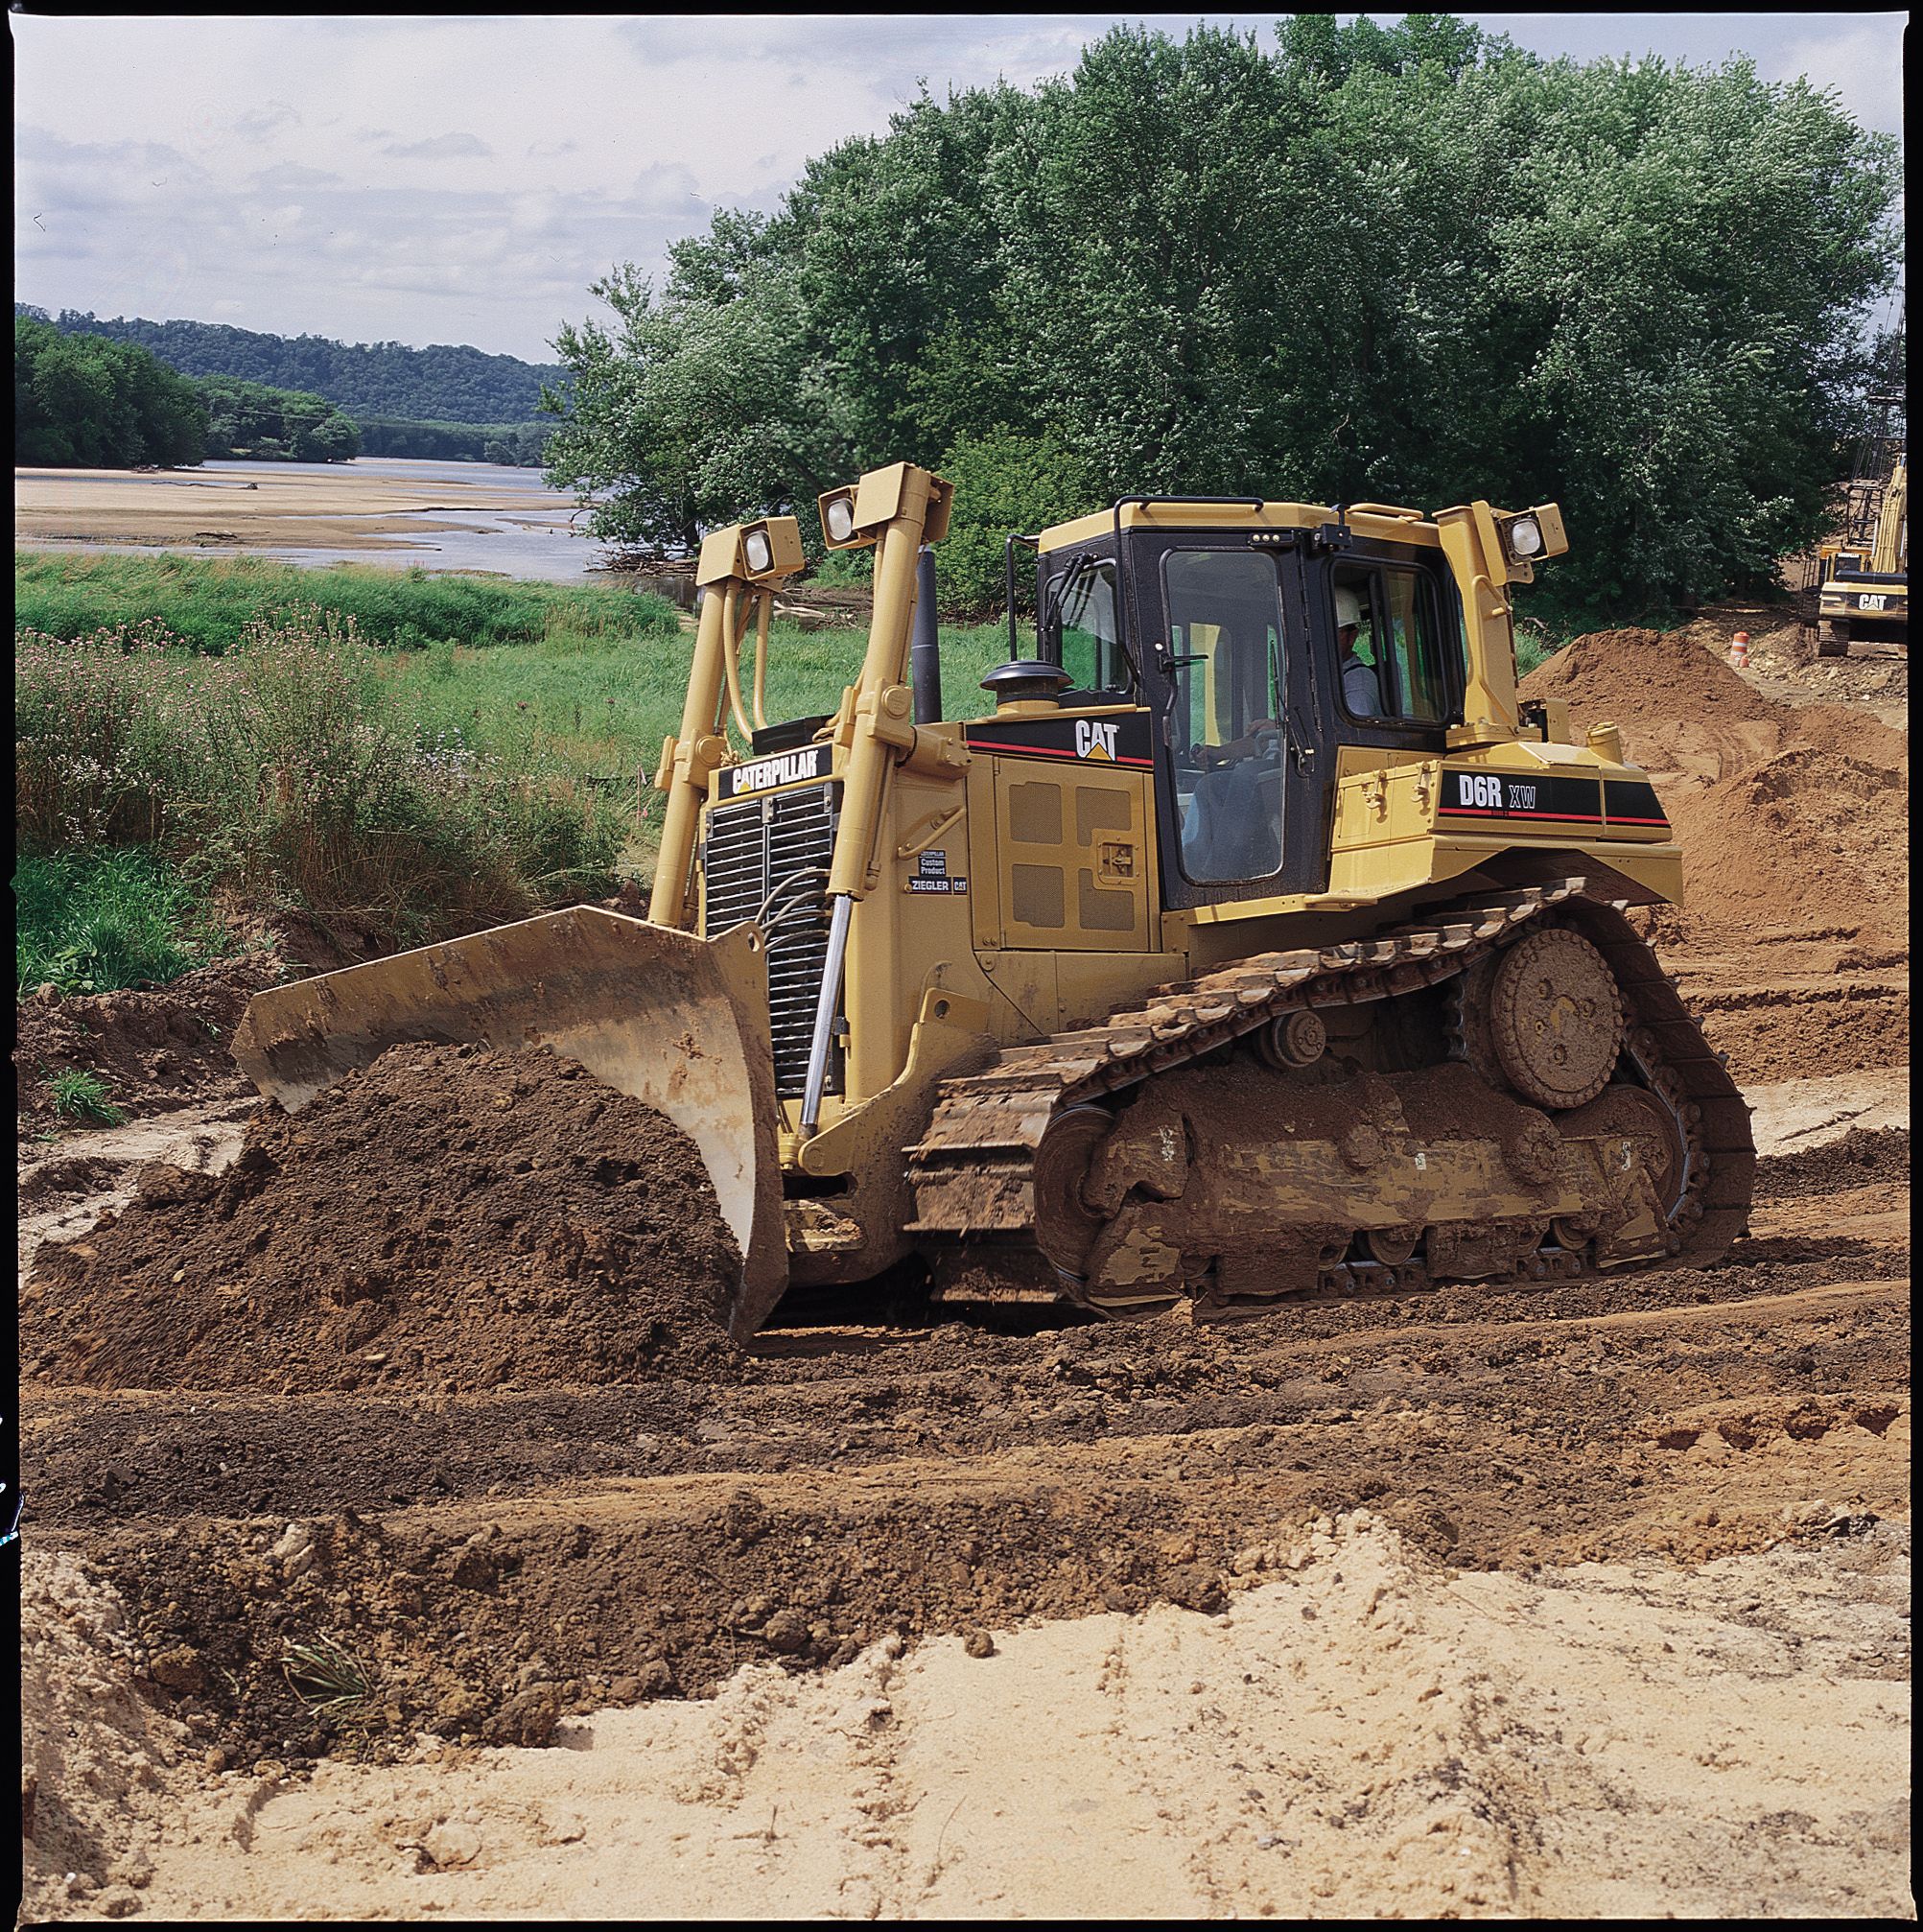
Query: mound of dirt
[[449, 1219], [1788, 814], [1864, 1157], [152, 1051], [1808, 837], [1645, 678]]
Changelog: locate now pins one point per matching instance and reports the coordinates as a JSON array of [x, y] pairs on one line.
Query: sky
[[464, 179]]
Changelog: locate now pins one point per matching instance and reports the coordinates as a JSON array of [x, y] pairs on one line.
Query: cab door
[[1241, 808]]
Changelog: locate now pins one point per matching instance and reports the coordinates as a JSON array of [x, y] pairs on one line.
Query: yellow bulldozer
[[1258, 944]]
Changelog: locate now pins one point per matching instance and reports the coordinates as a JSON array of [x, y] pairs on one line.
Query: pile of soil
[[155, 1052], [1863, 1158], [1789, 815], [1808, 838], [1643, 680], [450, 1219]]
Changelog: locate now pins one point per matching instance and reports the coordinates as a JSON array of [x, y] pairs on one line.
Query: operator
[[1360, 687]]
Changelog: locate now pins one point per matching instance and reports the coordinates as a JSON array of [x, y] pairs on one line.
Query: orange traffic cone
[[1738, 651]]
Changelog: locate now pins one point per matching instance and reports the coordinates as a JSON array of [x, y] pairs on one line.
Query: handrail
[[764, 617], [1034, 543], [1401, 512]]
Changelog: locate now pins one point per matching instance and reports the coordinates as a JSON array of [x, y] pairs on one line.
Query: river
[[438, 515]]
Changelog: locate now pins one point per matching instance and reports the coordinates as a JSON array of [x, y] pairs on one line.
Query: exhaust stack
[[925, 653]]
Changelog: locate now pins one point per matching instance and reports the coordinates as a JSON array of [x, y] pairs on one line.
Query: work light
[[839, 517], [759, 555], [1525, 538]]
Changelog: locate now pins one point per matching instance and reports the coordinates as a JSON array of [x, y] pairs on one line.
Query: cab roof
[[1383, 521]]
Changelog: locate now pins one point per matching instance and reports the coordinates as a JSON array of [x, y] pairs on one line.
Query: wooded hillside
[[437, 384]]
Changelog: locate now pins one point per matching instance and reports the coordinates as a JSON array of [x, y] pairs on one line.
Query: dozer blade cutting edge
[[678, 1021]]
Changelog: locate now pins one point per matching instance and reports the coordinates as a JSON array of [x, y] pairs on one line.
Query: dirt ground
[[267, 507], [1583, 1600]]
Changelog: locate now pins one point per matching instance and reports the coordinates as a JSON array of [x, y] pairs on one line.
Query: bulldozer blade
[[678, 1021]]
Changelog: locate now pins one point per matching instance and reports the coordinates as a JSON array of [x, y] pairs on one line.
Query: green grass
[[208, 602], [82, 1095], [1533, 648], [92, 921], [597, 713]]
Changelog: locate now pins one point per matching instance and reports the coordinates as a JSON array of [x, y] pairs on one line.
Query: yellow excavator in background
[[1855, 589], [1261, 943]]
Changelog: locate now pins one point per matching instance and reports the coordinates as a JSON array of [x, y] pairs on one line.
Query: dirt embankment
[[449, 1218], [154, 1051], [1794, 821]]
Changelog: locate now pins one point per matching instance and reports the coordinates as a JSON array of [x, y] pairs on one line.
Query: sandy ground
[[267, 507], [1358, 1734]]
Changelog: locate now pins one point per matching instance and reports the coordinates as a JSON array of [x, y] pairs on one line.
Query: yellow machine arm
[[897, 511], [1487, 550], [1886, 558], [739, 572]]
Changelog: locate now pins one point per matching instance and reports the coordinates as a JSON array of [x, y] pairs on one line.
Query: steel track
[[972, 1171]]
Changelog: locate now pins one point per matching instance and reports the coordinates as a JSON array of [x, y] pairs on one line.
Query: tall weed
[[99, 738], [293, 769]]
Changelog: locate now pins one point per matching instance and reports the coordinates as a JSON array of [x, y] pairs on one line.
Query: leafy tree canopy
[[251, 419], [1408, 262], [86, 403]]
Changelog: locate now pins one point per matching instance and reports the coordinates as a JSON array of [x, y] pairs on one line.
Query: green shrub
[[322, 791], [1004, 481], [296, 770]]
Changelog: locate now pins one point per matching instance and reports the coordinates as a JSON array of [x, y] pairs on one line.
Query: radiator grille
[[749, 848]]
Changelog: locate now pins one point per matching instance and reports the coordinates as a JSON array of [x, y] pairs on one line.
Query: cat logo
[[1095, 740]]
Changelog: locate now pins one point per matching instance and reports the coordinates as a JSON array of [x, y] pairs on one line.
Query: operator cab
[[1257, 649]]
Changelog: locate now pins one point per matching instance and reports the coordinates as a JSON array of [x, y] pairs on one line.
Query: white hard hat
[[1347, 608]]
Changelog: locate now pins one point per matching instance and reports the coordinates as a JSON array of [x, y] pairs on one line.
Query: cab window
[[1090, 645], [1225, 673], [1389, 645]]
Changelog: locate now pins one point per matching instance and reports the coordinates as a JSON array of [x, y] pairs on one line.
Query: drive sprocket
[[1546, 1018]]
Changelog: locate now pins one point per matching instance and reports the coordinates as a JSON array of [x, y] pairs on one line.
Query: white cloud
[[442, 148], [1856, 62], [602, 140]]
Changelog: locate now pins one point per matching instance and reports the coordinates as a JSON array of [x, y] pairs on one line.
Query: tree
[[1004, 481], [81, 401], [252, 420], [1408, 263]]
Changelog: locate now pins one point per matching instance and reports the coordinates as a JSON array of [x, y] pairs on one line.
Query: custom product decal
[[1495, 794], [931, 874]]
